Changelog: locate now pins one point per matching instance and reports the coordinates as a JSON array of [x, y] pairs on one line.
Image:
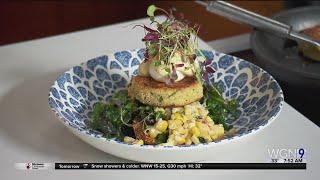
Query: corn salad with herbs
[[187, 125]]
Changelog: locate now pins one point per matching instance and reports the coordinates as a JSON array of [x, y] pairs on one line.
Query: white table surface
[[29, 132]]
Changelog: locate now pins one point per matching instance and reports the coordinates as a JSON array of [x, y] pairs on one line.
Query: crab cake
[[154, 93]]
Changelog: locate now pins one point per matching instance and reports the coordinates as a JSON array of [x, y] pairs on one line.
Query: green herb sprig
[[219, 108], [116, 117]]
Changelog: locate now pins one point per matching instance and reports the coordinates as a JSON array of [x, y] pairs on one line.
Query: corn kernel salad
[[187, 125]]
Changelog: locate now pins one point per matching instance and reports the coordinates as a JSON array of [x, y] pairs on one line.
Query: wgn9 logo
[[287, 155]]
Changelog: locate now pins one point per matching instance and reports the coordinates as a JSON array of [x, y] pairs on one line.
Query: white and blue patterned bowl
[[76, 91]]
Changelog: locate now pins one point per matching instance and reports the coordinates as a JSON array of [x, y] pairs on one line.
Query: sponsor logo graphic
[[33, 166]]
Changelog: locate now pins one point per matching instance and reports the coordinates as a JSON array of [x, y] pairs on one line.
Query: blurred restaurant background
[[27, 20]]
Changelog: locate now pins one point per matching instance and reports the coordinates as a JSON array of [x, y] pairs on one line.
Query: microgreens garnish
[[174, 35], [151, 9], [207, 70], [171, 36]]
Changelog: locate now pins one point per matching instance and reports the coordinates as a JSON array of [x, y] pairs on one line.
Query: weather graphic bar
[[127, 166]]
